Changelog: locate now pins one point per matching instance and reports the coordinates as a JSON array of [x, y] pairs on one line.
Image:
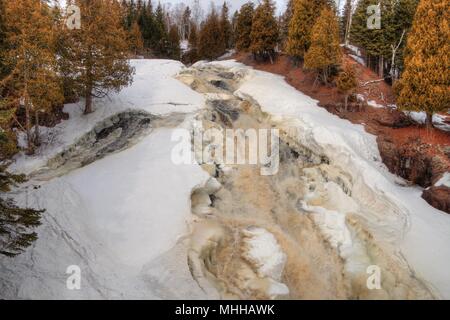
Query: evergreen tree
[[174, 51], [192, 54], [324, 52], [97, 56], [346, 82], [404, 11], [160, 35], [210, 43], [234, 20], [284, 23], [32, 84], [135, 40], [424, 85], [264, 35], [16, 224], [375, 42], [225, 26], [305, 14], [3, 69], [244, 27]]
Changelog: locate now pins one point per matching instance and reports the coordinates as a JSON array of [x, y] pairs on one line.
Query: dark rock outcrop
[[438, 197]]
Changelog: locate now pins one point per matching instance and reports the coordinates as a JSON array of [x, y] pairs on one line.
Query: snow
[[226, 55], [444, 180], [263, 250], [353, 49], [358, 59], [419, 231], [184, 45], [439, 122], [121, 219], [418, 117], [159, 97]]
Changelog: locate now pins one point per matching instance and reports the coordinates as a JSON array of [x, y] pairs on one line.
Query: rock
[[438, 197], [395, 120]]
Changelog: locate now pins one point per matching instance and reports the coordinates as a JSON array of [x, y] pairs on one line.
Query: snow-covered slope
[[120, 219], [154, 90]]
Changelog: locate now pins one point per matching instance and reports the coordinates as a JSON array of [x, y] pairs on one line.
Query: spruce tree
[[347, 82], [225, 26], [284, 23], [160, 35], [324, 52], [244, 27], [97, 56], [211, 45], [3, 45], [264, 35], [424, 85], [375, 42], [174, 51], [304, 16], [32, 84], [16, 224], [135, 40]]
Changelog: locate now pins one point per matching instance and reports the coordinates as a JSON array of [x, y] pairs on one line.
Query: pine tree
[[174, 51], [225, 26], [375, 42], [135, 40], [193, 44], [284, 23], [211, 45], [3, 45], [324, 52], [234, 20], [264, 35], [32, 83], [346, 82], [305, 14], [424, 85], [16, 224], [244, 27], [97, 56], [160, 35]]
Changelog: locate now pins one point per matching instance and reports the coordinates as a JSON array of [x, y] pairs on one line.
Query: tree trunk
[[37, 138], [346, 102], [429, 120], [381, 67], [30, 145], [88, 96]]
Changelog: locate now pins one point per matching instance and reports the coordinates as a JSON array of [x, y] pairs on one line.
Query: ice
[[444, 180]]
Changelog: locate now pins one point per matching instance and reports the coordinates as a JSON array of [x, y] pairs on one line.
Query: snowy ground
[[123, 218], [119, 217]]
